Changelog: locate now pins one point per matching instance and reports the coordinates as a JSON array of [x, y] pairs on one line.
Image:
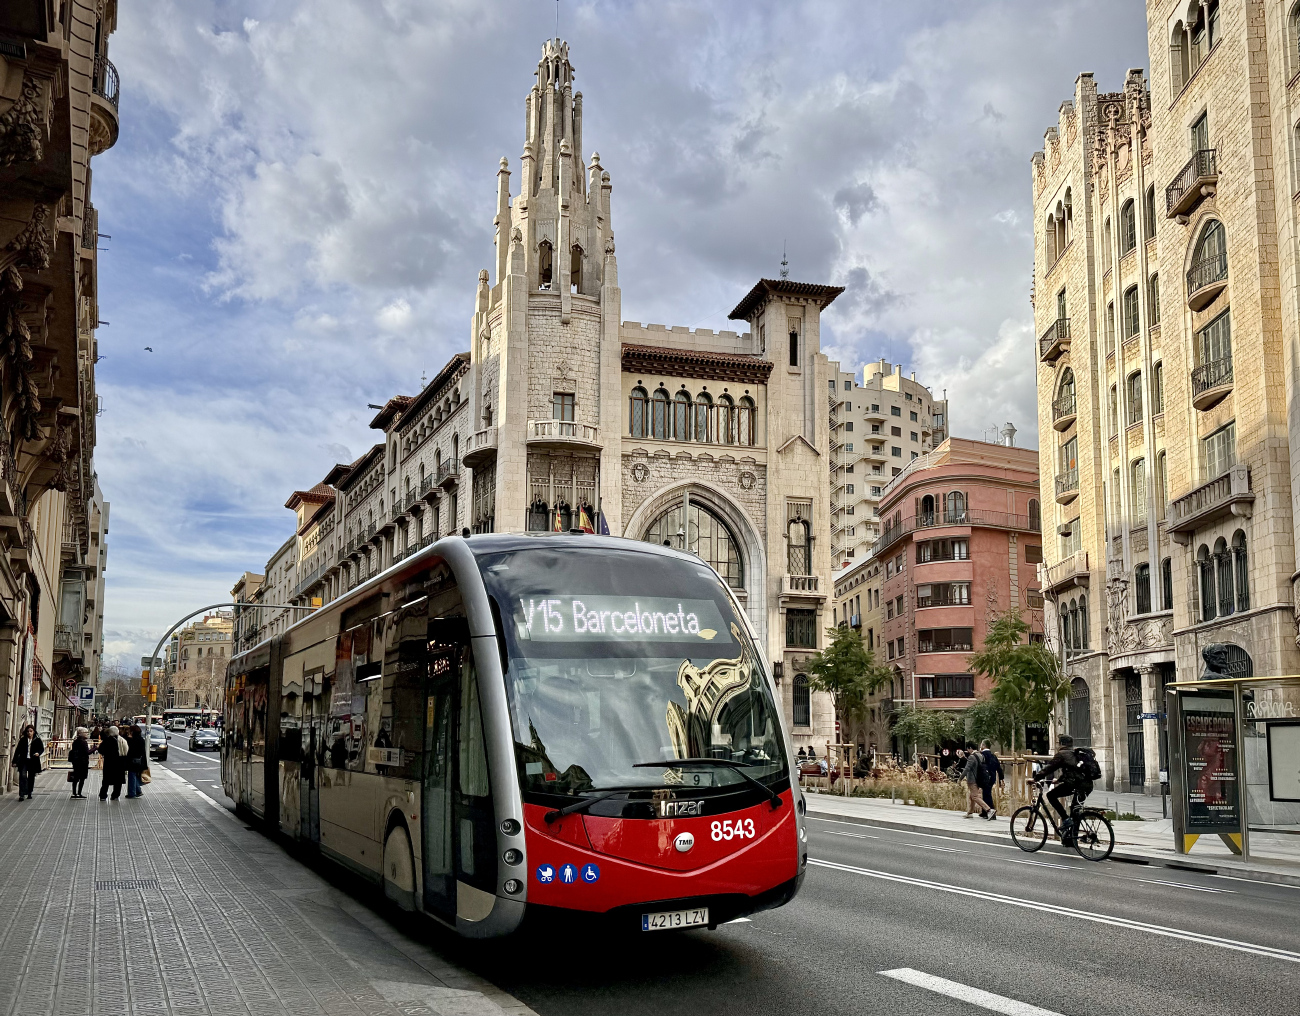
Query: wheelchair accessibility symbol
[[590, 873]]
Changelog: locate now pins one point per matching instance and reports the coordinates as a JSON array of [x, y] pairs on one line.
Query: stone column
[[1119, 732], [1152, 702], [10, 675]]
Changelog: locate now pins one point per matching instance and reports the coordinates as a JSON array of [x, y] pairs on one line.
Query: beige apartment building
[[561, 415], [196, 662], [877, 427], [1166, 310], [58, 109]]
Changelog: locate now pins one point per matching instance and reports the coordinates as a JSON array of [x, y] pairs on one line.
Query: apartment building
[[58, 110], [962, 542], [1166, 310], [857, 604], [196, 662], [877, 427]]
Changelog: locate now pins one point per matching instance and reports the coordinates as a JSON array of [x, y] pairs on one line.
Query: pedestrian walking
[[112, 750], [971, 774], [27, 760], [137, 761], [79, 757], [993, 776]]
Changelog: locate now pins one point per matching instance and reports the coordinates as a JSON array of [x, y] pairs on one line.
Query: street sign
[[1151, 716], [86, 696]]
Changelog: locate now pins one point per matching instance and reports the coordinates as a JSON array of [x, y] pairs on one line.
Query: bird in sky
[[148, 349]]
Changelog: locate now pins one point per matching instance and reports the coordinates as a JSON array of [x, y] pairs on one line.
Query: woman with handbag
[[114, 771], [27, 760], [79, 757], [137, 761]]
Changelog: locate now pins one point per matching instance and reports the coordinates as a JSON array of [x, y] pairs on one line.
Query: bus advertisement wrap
[[1211, 779]]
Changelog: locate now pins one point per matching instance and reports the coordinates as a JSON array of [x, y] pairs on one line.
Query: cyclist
[[1072, 783]]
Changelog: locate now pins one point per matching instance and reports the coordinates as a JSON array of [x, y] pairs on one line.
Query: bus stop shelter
[[1234, 753]]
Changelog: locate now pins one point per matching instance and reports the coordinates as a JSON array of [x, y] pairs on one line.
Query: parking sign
[[85, 696]]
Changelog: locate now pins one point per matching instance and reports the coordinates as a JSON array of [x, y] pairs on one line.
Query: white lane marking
[[739, 920], [856, 836], [1045, 864], [1085, 915], [201, 758], [965, 993], [1183, 885], [950, 850]]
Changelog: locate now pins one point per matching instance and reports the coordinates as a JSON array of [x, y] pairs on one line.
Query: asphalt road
[[895, 922]]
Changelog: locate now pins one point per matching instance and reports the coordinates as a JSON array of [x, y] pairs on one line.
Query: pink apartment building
[[961, 541]]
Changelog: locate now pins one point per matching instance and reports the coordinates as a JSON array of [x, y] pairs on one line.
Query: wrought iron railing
[[105, 81], [1211, 375], [1067, 481], [1207, 272], [1201, 165], [1064, 405], [1057, 331]]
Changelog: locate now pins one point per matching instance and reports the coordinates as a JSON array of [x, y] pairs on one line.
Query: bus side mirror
[[450, 631]]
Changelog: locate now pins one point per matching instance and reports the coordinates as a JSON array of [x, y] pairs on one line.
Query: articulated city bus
[[504, 723]]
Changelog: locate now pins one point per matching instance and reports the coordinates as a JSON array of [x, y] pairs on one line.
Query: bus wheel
[[399, 868]]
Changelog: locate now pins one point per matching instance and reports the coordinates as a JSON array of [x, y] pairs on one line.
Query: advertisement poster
[[1284, 761], [1210, 746], [341, 699]]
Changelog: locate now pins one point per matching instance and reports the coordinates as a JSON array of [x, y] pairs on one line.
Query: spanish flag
[[584, 521]]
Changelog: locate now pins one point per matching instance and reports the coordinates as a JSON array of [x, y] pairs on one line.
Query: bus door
[[459, 822], [314, 705]]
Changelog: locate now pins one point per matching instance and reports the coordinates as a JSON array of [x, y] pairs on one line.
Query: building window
[[798, 548], [943, 594], [1035, 515], [1239, 562], [1135, 398], [1033, 553], [1080, 717], [562, 407], [1166, 584], [708, 539], [1223, 576], [1142, 588], [848, 427], [726, 419], [1219, 451], [659, 415], [1149, 214], [1158, 388], [895, 411], [895, 431], [794, 349], [1110, 327], [1210, 259], [954, 507], [913, 416], [682, 416], [704, 431], [1162, 486], [945, 640], [1214, 347], [802, 701], [1205, 573], [914, 436], [896, 451], [946, 686], [1153, 299], [575, 270], [1127, 227], [544, 265], [1132, 315], [801, 629], [1138, 490], [942, 550]]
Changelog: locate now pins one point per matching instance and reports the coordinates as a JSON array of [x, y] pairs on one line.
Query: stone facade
[[58, 109], [560, 414], [1178, 331], [196, 663]]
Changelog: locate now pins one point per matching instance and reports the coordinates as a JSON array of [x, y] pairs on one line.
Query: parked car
[[158, 743], [205, 739]]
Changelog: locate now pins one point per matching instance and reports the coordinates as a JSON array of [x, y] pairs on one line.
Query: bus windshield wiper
[[737, 767], [601, 794]]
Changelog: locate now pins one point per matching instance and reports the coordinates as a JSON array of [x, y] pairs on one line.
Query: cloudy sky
[[303, 192]]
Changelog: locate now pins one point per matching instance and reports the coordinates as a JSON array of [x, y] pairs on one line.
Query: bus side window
[[401, 723]]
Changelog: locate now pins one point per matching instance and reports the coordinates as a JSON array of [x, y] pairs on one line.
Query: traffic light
[[144, 683], [152, 693]]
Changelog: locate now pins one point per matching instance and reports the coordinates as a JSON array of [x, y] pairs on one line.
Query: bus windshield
[[619, 658]]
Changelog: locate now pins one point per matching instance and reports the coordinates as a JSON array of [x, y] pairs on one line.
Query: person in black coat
[[137, 761], [114, 772], [27, 760], [79, 758]]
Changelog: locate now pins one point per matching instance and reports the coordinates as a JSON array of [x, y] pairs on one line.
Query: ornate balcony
[[1064, 410], [1194, 181], [1211, 383], [448, 473], [1067, 486], [802, 585], [104, 88], [1072, 571], [1225, 495], [562, 434], [1207, 279], [480, 448], [1055, 341]]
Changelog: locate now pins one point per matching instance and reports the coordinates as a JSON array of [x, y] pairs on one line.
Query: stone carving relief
[[31, 248], [747, 480], [24, 125], [1155, 633], [640, 472]]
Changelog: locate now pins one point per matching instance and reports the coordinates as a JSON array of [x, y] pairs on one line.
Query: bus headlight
[[510, 827], [513, 856], [514, 886]]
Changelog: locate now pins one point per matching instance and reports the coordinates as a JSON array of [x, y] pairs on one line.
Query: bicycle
[[1092, 835]]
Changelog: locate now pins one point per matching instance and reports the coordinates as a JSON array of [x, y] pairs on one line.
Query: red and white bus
[[504, 723]]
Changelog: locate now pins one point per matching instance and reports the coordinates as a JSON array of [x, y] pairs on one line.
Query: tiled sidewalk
[[1275, 857], [226, 922]]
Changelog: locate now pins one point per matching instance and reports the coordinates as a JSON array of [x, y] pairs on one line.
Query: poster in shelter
[[1210, 750]]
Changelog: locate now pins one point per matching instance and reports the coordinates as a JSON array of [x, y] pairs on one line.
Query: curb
[[1125, 856]]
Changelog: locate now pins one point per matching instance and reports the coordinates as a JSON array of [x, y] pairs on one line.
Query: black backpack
[[1085, 760]]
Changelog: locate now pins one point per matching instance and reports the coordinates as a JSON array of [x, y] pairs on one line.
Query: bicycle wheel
[[1094, 838], [1028, 829]]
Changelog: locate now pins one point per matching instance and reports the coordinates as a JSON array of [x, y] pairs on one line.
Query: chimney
[[1009, 434]]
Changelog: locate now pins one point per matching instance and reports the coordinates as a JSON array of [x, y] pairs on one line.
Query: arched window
[[745, 420], [1110, 327], [1293, 39], [1049, 238], [1209, 258], [802, 701], [437, 460], [1223, 576], [682, 416], [707, 537], [1138, 491], [637, 412], [703, 423], [575, 269], [1142, 588], [1066, 403], [1066, 220], [1239, 562], [726, 420], [1035, 515], [422, 474], [1127, 227], [1105, 250], [544, 265], [659, 415], [1132, 312], [1083, 624], [927, 510], [1149, 212], [1080, 713], [1166, 584], [1162, 486], [954, 507], [798, 548], [1205, 573], [1153, 298], [1070, 627], [455, 449], [1179, 70]]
